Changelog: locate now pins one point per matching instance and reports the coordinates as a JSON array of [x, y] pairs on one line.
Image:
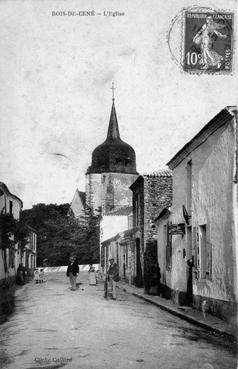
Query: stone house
[[204, 218], [151, 193]]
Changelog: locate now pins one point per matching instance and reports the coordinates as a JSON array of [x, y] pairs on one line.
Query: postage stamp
[[208, 42]]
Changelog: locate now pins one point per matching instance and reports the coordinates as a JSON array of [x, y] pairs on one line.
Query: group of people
[[112, 276], [39, 275], [73, 271]]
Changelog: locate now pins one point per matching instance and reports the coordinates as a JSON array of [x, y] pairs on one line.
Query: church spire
[[113, 155], [113, 130]]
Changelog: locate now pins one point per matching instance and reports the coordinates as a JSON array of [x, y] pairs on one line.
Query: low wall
[[82, 268]]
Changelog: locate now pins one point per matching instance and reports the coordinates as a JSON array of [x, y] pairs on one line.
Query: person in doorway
[[155, 280], [72, 272], [113, 277], [92, 275], [20, 274], [190, 263]]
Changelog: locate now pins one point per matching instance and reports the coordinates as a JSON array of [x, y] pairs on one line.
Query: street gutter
[[183, 316]]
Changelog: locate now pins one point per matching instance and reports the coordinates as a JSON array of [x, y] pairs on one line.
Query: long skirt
[[92, 278]]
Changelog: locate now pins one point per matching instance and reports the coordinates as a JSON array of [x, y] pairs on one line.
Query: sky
[[56, 73]]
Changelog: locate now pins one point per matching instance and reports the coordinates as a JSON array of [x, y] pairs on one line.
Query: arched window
[[118, 161], [127, 162]]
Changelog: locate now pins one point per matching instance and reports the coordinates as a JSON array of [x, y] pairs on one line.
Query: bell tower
[[112, 170]]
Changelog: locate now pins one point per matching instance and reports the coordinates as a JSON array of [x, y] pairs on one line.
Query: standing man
[[72, 272], [113, 275]]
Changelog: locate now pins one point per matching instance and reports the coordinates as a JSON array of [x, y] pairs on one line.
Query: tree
[[59, 234]]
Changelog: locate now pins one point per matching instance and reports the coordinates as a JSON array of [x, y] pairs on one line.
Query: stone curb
[[179, 314]]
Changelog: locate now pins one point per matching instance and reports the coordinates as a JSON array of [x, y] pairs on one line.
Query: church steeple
[[113, 155], [113, 130]]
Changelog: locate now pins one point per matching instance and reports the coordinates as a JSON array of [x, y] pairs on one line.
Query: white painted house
[[9, 259], [204, 218]]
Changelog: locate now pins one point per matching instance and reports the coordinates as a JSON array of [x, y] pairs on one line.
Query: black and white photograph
[[118, 184]]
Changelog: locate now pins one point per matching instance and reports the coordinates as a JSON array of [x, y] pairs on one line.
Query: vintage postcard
[[118, 184]]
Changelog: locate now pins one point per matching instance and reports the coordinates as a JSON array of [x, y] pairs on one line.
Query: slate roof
[[158, 173], [113, 155]]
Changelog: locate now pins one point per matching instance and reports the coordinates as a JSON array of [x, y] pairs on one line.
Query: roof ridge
[[158, 173]]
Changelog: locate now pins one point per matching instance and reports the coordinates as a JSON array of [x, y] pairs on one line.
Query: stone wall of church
[[109, 190], [115, 190], [93, 190]]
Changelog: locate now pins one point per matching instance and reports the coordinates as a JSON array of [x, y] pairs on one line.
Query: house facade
[[151, 193], [29, 253], [12, 254], [203, 223], [10, 257], [121, 248], [112, 223]]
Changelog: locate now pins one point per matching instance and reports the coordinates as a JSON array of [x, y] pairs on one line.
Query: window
[[196, 252], [205, 253], [126, 256], [202, 251], [118, 161], [127, 162], [137, 209], [189, 187], [10, 207]]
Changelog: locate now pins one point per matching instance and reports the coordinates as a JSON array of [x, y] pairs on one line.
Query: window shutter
[[195, 247], [208, 260]]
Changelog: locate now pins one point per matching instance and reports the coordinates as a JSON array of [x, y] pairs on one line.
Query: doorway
[[189, 267], [138, 279]]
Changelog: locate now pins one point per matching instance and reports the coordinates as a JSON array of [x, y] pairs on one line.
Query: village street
[[54, 327]]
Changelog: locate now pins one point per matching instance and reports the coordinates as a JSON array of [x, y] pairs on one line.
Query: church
[[108, 178]]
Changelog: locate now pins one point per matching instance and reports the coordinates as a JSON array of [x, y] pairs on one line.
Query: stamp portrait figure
[[206, 38], [208, 41]]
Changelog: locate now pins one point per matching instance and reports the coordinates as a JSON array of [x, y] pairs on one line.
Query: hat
[[111, 259]]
